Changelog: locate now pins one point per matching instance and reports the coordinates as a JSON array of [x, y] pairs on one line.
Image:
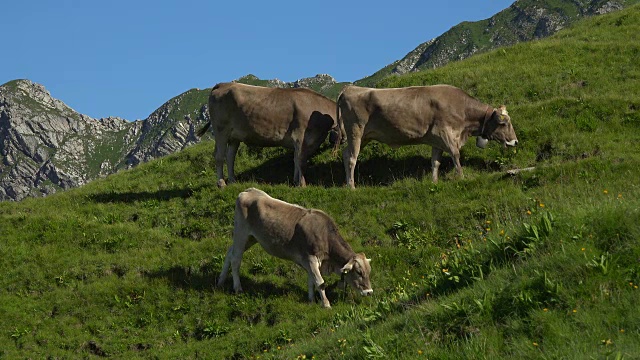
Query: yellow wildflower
[[535, 344], [545, 309], [605, 191], [575, 311], [528, 212], [541, 205]]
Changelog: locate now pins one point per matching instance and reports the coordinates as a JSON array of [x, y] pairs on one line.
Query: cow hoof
[[221, 183]]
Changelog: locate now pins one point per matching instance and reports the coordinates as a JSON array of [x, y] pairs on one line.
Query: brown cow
[[299, 119], [308, 237], [442, 116]]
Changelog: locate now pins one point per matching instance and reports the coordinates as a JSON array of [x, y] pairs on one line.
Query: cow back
[[404, 116], [263, 116]]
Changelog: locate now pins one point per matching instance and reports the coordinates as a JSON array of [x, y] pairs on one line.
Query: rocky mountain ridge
[[46, 146], [524, 20]]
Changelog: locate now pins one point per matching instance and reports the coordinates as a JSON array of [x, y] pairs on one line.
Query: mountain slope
[[524, 20], [47, 146], [322, 83], [541, 264]]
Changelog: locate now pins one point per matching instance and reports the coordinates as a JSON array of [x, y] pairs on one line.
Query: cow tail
[[203, 129], [336, 146], [206, 126]]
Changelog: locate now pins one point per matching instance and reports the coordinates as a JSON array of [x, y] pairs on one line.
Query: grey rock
[[524, 20]]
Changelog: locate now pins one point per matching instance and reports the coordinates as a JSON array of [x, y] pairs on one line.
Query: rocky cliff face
[[323, 83], [170, 128], [524, 20], [46, 146]]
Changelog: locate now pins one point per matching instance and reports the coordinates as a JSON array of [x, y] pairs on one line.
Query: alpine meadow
[[535, 253]]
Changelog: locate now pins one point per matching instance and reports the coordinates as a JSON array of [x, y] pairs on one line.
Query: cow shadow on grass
[[204, 279], [377, 170], [279, 170], [142, 196], [184, 277], [373, 171]]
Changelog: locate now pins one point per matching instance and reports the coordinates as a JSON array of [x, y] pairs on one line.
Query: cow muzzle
[[366, 292], [513, 142]]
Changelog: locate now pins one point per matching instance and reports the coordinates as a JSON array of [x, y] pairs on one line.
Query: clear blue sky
[[126, 58]]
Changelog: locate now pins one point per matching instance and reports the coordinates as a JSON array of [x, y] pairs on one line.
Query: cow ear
[[503, 115], [345, 269]]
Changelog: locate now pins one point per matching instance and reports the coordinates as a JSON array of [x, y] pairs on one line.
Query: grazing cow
[[308, 237], [298, 118], [442, 116]]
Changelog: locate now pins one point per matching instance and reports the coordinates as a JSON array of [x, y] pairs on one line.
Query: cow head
[[498, 127], [356, 272], [334, 136]]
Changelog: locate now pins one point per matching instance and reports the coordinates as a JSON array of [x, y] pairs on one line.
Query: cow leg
[[311, 284], [241, 243], [221, 151], [455, 154], [232, 150], [298, 159], [350, 157], [436, 158], [315, 280]]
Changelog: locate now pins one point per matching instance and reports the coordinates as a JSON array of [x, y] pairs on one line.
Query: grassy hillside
[[520, 22], [543, 264]]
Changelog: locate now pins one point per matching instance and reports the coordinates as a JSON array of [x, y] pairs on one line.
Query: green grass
[[543, 264], [510, 26]]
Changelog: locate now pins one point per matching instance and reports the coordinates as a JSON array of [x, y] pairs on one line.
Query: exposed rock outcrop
[[47, 146], [524, 20]]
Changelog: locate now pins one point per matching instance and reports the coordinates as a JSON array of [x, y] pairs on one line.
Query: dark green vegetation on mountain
[[523, 21], [542, 264]]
